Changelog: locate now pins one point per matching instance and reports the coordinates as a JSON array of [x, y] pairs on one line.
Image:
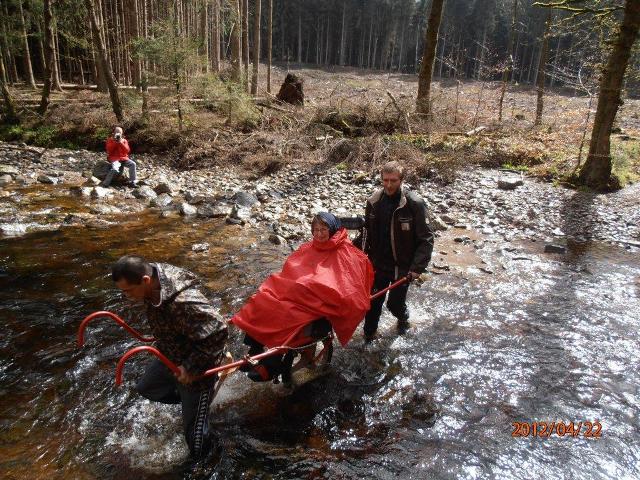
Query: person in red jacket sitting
[[118, 154]]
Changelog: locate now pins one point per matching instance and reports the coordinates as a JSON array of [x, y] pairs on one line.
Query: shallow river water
[[507, 334]]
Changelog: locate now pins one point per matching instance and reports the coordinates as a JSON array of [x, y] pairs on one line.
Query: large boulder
[[291, 90], [101, 169]]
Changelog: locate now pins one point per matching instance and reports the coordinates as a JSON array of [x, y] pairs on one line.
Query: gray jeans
[[115, 169]]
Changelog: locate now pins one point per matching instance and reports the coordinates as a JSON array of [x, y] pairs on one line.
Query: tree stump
[[291, 90]]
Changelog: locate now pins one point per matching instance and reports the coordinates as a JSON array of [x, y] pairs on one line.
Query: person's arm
[[424, 238], [111, 146], [201, 323], [361, 239], [124, 147]]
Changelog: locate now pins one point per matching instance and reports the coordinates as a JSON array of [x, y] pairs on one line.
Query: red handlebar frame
[[390, 287], [115, 318]]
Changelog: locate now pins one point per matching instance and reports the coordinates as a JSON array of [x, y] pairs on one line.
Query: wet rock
[[81, 191], [234, 221], [163, 188], [245, 199], [448, 219], [200, 247], [193, 198], [13, 229], [462, 239], [509, 183], [74, 219], [93, 182], [100, 192], [8, 170], [438, 224], [441, 266], [103, 209], [47, 179], [161, 200], [277, 239], [22, 180], [144, 191], [5, 180], [553, 248], [187, 210], [101, 169], [214, 211]]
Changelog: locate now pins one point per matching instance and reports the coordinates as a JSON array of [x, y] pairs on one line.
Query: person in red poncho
[[324, 285], [118, 155]]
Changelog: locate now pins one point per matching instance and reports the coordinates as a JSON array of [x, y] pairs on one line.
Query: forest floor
[[351, 118]]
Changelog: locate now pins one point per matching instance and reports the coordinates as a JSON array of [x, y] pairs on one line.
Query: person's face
[[391, 182], [320, 232], [117, 131], [135, 292]]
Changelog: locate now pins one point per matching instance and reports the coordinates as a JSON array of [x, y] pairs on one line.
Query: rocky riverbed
[[50, 189]]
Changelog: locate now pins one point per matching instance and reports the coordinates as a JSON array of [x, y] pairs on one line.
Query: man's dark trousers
[[159, 384], [396, 303]]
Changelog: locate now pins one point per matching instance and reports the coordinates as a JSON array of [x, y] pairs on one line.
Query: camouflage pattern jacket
[[187, 328]]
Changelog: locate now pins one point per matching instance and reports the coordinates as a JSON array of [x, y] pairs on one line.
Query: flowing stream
[[507, 334]]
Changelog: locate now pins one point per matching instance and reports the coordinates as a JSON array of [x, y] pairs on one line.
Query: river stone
[[245, 199], [552, 248], [193, 198], [187, 210], [276, 239], [436, 223], [100, 192], [213, 211], [103, 209], [144, 192], [5, 180], [8, 170], [81, 191], [22, 180], [163, 188], [200, 247], [101, 169], [47, 179], [234, 221], [13, 229], [509, 183], [161, 200], [93, 182]]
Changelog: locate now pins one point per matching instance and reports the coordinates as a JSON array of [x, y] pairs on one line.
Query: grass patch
[[625, 157]]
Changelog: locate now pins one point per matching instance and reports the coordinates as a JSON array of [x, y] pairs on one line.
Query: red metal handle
[[115, 318], [145, 348], [385, 290], [174, 368]]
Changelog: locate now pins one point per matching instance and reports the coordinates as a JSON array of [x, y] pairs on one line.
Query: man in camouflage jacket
[[188, 330]]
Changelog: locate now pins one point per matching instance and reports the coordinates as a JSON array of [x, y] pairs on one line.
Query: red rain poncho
[[329, 279]]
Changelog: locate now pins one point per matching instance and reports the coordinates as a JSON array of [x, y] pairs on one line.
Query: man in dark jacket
[[398, 240], [188, 330]]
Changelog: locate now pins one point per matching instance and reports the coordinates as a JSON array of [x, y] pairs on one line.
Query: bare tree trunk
[[27, 53], [48, 57], [104, 62], [215, 34], [541, 70], [269, 44], [10, 115], [343, 33], [236, 41], [57, 84], [204, 34], [509, 66], [596, 172], [256, 47], [10, 64], [245, 43], [426, 70], [299, 35]]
